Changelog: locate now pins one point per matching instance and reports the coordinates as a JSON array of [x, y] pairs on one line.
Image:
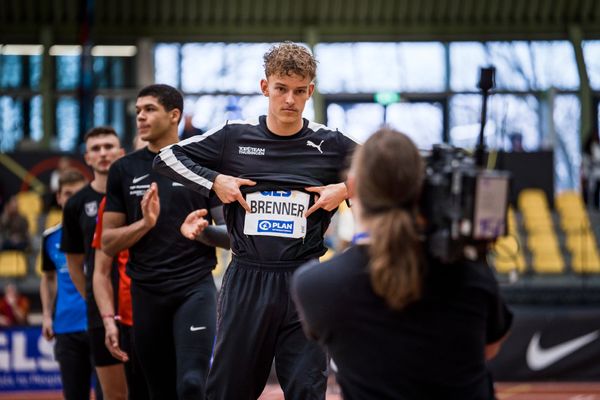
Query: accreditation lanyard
[[360, 236]]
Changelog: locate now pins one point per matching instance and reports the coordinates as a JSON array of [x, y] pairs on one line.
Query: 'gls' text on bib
[[277, 213]]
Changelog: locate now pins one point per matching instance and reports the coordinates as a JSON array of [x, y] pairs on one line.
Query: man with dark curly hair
[[279, 178]]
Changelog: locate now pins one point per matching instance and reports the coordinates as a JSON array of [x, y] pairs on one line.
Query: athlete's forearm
[[492, 349], [103, 288], [115, 239], [75, 265], [177, 165], [48, 293], [215, 236]]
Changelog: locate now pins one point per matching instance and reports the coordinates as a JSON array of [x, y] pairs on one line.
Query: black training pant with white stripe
[[257, 321], [174, 336]]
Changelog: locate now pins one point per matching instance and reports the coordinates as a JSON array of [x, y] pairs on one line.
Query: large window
[[511, 120], [358, 120], [520, 66], [20, 107], [21, 101], [220, 81], [373, 67], [432, 87], [591, 54], [421, 121], [110, 76], [67, 121], [567, 150]]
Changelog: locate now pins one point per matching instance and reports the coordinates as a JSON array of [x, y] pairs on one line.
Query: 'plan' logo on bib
[[276, 226]]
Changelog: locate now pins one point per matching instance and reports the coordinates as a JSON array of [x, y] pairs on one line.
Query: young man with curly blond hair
[[279, 178]]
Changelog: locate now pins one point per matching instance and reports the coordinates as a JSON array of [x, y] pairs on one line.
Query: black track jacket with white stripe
[[282, 166]]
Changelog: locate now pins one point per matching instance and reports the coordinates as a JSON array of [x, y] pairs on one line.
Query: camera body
[[464, 205]]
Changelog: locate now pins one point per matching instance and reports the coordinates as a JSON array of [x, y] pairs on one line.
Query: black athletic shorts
[[101, 355], [72, 351]]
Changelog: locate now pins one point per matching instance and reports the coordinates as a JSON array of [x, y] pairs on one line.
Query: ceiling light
[[114, 51], [65, 50], [21, 49]]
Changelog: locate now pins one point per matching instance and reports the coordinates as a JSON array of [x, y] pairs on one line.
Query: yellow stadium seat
[[539, 225], [32, 223], [578, 242], [532, 198], [569, 199], [543, 242], [511, 221], [507, 246], [507, 265], [586, 264], [13, 263], [548, 263], [531, 194], [575, 225], [38, 264], [572, 210], [53, 218], [536, 211], [30, 206], [508, 255], [29, 202]]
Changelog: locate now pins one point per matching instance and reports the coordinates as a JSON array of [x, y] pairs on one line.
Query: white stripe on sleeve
[[167, 156]]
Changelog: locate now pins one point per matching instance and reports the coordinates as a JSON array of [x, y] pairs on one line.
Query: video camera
[[464, 204]]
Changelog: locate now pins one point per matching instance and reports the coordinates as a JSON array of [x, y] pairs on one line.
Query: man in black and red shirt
[[118, 339], [79, 222]]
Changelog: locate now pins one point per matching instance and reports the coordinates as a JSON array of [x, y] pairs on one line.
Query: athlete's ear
[[176, 115], [311, 89], [86, 158], [264, 87]]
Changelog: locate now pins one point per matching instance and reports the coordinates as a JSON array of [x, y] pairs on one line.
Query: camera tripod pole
[[486, 82], [480, 147]]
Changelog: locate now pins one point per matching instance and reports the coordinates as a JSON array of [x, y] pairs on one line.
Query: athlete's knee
[[191, 386]]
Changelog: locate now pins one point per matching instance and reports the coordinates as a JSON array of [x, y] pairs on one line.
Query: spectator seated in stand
[[14, 228], [14, 307]]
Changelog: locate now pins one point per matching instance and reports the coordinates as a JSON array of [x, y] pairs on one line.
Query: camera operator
[[397, 323]]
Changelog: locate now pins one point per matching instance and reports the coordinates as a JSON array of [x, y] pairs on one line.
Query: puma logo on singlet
[[310, 143]]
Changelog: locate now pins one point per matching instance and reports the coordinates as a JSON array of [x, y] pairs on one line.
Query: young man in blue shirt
[[64, 310]]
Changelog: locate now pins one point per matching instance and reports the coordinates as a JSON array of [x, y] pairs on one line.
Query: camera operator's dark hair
[[389, 173]]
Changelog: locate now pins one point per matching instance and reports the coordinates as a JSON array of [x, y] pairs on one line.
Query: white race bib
[[277, 213]]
